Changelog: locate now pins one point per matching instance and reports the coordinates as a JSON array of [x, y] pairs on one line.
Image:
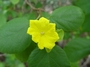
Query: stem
[[32, 7]]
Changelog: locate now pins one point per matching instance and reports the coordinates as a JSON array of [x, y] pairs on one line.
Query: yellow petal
[[46, 42], [41, 44], [34, 24], [51, 33], [36, 37], [43, 20]]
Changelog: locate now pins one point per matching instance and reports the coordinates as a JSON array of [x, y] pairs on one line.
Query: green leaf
[[14, 37], [55, 58], [68, 18], [61, 34], [77, 49], [2, 20], [23, 56], [14, 1]]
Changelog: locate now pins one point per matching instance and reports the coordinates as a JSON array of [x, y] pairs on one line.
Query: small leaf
[[61, 34], [68, 18], [55, 58], [14, 37], [14, 1], [77, 49], [2, 20]]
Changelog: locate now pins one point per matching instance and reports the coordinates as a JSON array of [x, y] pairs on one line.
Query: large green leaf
[[68, 18], [77, 49], [23, 56], [2, 20], [14, 37], [56, 58]]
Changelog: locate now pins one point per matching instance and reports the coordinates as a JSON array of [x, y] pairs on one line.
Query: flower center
[[42, 33]]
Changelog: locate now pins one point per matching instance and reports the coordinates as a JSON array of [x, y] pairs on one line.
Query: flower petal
[[36, 37], [46, 42], [51, 33]]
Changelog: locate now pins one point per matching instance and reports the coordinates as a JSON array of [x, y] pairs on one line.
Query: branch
[[29, 3]]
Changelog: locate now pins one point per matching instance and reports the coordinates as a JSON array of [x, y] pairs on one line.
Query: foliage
[[71, 22]]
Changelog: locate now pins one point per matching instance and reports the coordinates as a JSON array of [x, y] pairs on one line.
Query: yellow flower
[[43, 32]]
